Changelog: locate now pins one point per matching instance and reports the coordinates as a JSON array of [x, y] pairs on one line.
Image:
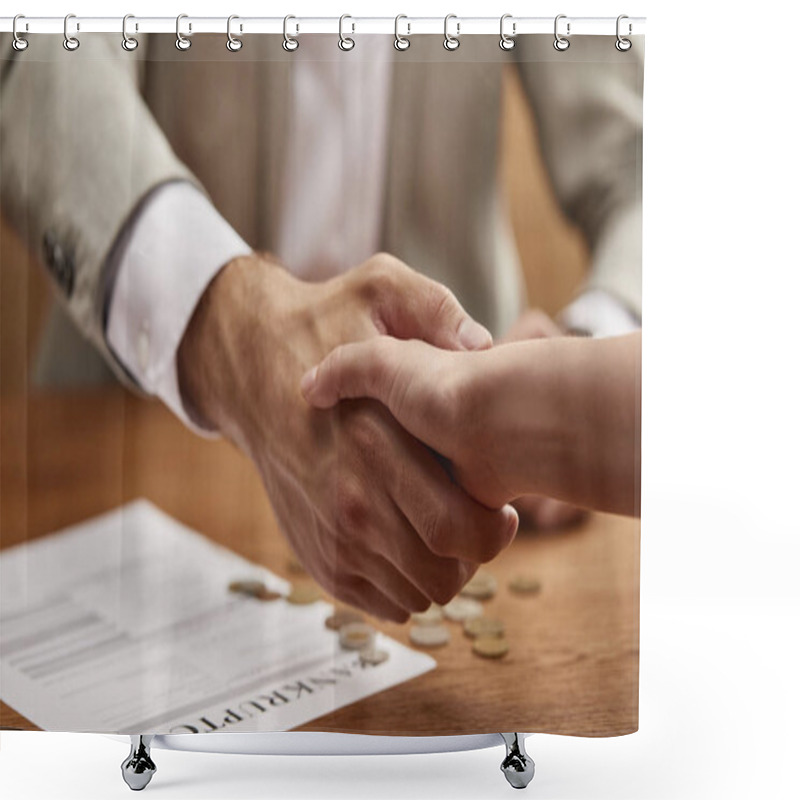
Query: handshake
[[389, 434]]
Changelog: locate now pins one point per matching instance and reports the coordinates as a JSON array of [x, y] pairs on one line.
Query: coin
[[462, 608], [429, 635], [303, 593], [482, 586], [483, 627], [490, 646], [342, 616], [253, 588], [525, 584], [431, 616], [356, 635], [373, 656]]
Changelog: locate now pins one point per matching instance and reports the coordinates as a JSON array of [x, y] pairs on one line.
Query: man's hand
[[368, 509], [536, 511]]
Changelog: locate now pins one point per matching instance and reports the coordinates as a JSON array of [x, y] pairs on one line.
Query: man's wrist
[[216, 342]]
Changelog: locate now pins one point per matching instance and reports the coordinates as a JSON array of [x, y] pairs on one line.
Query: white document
[[124, 624]]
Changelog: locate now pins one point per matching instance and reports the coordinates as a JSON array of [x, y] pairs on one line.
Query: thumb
[[360, 369], [421, 308], [391, 371]]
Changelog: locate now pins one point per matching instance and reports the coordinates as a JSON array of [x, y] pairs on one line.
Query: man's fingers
[[447, 520], [547, 513], [362, 594], [411, 306]]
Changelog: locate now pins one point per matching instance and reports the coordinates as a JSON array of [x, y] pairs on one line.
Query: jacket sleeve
[[79, 150], [587, 102]]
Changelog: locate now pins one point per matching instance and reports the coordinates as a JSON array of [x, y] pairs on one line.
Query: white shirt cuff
[[600, 314], [172, 249]]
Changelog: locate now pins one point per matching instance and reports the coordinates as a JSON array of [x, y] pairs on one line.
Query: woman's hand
[[438, 396], [558, 417]]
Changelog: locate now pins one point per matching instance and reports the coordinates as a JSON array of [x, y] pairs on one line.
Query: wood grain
[[573, 664]]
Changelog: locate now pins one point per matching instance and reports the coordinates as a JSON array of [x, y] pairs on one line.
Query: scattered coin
[[479, 627], [431, 616], [253, 588], [482, 586], [342, 616], [373, 656], [304, 593], [356, 636], [462, 608], [490, 646], [525, 584], [429, 635]]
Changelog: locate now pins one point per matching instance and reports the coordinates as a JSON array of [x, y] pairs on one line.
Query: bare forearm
[[563, 417]]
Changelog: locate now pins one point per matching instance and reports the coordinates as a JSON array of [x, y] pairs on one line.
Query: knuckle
[[437, 532], [365, 432], [443, 302], [352, 507]]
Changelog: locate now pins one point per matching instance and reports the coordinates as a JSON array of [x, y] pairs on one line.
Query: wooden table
[[573, 663]]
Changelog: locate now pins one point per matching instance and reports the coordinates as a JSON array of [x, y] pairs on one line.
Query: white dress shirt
[[178, 241]]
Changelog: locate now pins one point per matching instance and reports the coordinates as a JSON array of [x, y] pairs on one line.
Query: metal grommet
[[70, 43], [346, 43], [181, 42], [18, 43], [623, 45], [507, 42], [560, 43], [129, 43], [233, 44], [401, 42], [290, 43], [451, 42]]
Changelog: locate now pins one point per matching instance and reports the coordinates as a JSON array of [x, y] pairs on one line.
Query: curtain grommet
[[129, 43], [290, 43], [401, 43], [18, 43], [70, 43], [561, 43], [507, 41], [234, 44], [181, 41], [346, 43], [451, 42], [622, 44]]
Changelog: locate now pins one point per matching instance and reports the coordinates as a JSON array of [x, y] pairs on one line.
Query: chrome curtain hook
[[18, 43], [560, 43], [181, 42], [401, 42], [451, 42], [507, 42], [234, 44], [623, 45], [346, 42], [129, 43], [290, 43], [70, 43]]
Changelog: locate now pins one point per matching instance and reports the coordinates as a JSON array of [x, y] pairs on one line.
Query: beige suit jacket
[[85, 136]]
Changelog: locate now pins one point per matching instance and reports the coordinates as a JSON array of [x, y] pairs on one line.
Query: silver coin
[[429, 635], [460, 609]]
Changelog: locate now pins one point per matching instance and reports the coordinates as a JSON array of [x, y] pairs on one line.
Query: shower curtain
[[320, 384]]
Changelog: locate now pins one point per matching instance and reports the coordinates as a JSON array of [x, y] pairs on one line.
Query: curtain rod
[[242, 26]]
